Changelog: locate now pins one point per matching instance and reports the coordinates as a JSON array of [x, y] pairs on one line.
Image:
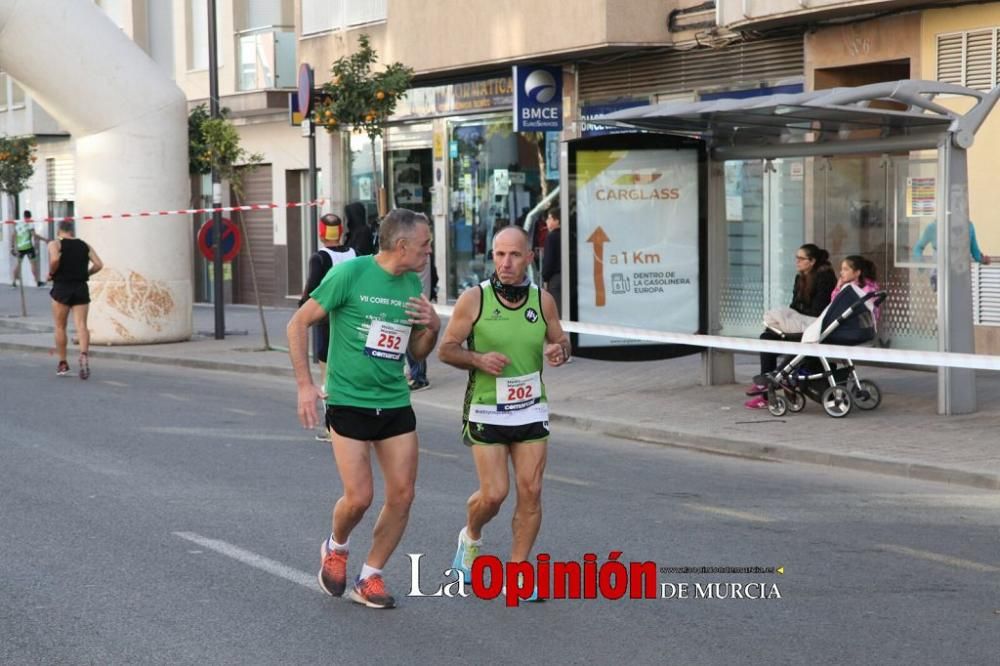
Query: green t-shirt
[[369, 333], [22, 236]]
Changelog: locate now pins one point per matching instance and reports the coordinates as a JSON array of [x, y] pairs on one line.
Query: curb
[[196, 364], [625, 430]]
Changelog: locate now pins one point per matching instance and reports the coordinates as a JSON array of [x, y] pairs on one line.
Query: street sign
[[231, 240], [305, 90]]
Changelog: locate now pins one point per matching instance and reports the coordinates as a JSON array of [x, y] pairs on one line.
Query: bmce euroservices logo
[[537, 98], [540, 87]]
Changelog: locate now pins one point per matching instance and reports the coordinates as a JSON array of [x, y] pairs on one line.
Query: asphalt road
[[159, 515]]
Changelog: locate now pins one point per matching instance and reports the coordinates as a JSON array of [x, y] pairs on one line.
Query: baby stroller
[[848, 320]]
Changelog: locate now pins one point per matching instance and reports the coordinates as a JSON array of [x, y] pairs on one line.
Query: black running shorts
[[370, 425], [21, 254], [70, 293], [484, 433]]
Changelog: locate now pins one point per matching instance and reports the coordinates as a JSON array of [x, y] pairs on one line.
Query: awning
[[898, 108]]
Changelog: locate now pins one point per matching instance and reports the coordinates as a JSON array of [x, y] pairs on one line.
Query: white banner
[[637, 241]]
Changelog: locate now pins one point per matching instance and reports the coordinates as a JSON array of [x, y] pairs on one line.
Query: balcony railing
[[266, 58]]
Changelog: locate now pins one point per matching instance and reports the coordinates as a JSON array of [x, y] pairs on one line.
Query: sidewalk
[[658, 401]]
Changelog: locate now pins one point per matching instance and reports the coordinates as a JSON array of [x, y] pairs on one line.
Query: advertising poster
[[637, 241]]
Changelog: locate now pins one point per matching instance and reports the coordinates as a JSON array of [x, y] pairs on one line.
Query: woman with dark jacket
[[814, 283], [359, 234]]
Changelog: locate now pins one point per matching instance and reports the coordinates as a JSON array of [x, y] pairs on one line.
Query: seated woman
[[814, 282]]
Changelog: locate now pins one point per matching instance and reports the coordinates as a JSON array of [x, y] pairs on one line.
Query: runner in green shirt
[[22, 244], [509, 325], [377, 312]]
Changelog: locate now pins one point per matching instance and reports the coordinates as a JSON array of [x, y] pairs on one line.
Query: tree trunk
[[253, 270]]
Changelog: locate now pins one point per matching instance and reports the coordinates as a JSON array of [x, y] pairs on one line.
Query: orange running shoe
[[333, 571], [372, 593]]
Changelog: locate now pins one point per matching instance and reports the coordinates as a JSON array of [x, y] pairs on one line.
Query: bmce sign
[[537, 99]]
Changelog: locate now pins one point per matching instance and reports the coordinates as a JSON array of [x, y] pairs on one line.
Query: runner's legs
[[529, 466], [60, 315], [484, 504], [397, 457], [353, 458]]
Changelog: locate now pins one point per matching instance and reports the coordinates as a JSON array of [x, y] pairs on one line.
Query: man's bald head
[[509, 234]]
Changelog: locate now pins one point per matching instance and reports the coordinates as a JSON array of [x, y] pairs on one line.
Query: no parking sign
[[231, 240]]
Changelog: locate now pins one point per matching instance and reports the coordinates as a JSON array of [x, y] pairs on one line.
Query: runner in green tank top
[[378, 312], [509, 326], [22, 244]]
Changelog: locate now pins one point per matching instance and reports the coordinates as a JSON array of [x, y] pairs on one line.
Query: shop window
[[365, 180], [497, 177], [968, 59]]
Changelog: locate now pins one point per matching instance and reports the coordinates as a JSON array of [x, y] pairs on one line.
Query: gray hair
[[399, 223]]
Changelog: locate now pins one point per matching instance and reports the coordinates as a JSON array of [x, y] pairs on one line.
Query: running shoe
[[760, 402], [419, 385], [466, 553], [63, 369], [84, 366], [332, 574], [756, 389], [372, 593], [533, 598], [323, 436]]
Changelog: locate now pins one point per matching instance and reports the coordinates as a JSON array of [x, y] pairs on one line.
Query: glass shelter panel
[[879, 207], [764, 227]]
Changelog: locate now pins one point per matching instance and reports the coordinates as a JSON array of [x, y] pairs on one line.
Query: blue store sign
[[537, 99], [589, 112]]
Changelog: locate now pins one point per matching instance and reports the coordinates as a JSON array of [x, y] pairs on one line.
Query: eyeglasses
[[798, 258]]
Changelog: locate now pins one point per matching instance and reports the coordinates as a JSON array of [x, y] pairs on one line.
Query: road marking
[[566, 479], [730, 513], [114, 383], [244, 412], [940, 559], [225, 433], [179, 398], [450, 456], [253, 559]]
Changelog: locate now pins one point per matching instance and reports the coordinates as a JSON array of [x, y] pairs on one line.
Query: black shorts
[[484, 433], [21, 254], [370, 425], [70, 293]]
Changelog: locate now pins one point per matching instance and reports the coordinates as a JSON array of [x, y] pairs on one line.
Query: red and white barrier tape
[[188, 211]]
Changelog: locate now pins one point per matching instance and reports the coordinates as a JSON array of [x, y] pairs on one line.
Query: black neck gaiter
[[515, 293]]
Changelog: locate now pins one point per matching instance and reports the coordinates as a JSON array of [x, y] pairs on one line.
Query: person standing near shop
[[71, 263], [22, 244], [552, 259], [333, 238], [378, 313], [929, 237]]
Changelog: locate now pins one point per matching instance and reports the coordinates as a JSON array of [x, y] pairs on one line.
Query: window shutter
[[949, 58], [979, 59]]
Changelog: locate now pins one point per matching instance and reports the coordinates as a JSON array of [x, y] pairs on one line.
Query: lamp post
[[213, 107]]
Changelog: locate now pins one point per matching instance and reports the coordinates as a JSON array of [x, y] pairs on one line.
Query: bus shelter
[[875, 170]]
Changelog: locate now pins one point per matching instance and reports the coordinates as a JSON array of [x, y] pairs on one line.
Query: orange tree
[[358, 98], [17, 163]]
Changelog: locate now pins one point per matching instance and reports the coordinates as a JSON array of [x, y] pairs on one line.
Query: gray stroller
[[848, 320]]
